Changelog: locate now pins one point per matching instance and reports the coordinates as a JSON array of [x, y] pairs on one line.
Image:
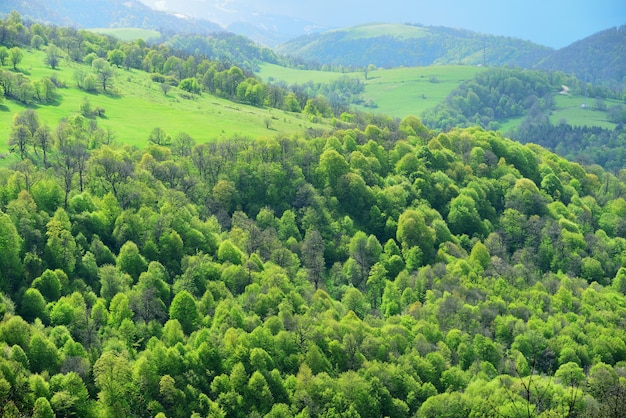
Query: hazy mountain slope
[[600, 57], [392, 45], [110, 13]]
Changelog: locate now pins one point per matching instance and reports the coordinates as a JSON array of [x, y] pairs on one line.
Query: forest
[[379, 269], [499, 94]]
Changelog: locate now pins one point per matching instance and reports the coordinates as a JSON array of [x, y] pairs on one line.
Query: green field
[[385, 29], [397, 92], [273, 73], [410, 91], [140, 106], [128, 34], [581, 111]]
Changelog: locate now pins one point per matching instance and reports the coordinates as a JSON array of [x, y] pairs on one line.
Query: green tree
[[43, 355], [116, 57], [332, 166], [33, 306], [130, 261], [113, 376], [185, 310], [21, 138], [313, 256], [10, 247], [190, 85], [463, 217], [4, 54], [16, 55], [391, 300], [60, 250], [42, 409], [414, 232], [44, 140], [104, 72], [53, 56]]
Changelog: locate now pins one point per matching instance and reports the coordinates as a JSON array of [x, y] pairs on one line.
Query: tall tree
[[313, 255], [16, 55], [10, 247], [113, 376]]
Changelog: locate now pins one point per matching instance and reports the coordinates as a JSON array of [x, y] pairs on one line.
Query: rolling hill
[[600, 58], [112, 13], [394, 45], [138, 106], [368, 269]]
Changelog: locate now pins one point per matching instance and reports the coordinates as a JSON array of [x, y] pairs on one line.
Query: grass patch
[[139, 106], [397, 92], [411, 90], [581, 111], [273, 72], [128, 34], [376, 30]]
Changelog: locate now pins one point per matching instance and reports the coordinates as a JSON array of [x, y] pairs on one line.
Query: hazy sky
[[554, 23]]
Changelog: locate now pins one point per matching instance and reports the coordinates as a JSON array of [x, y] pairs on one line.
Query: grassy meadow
[[411, 90], [272, 73], [385, 29], [139, 105], [128, 34], [581, 111], [397, 92]]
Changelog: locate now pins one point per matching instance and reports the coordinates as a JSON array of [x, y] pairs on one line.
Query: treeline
[[224, 47], [169, 67], [494, 95], [498, 94], [586, 145], [367, 272]]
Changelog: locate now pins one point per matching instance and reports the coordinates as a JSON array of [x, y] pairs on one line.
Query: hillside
[[393, 45], [342, 265], [139, 105], [397, 92], [600, 58], [386, 271], [101, 14]]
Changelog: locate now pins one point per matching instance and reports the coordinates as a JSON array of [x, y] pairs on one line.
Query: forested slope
[[387, 46], [380, 269], [599, 58], [371, 272]]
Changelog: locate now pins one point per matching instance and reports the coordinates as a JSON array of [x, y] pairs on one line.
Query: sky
[[554, 23]]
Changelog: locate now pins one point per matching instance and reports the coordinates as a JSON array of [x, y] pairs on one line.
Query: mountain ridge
[[113, 13]]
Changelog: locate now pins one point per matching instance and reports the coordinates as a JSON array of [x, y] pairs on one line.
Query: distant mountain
[[394, 45], [262, 21], [273, 30], [597, 58], [109, 13]]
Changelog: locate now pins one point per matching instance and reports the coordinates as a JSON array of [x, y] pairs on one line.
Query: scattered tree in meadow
[[16, 55]]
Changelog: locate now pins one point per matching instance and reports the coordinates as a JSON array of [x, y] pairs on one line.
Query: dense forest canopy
[[380, 269]]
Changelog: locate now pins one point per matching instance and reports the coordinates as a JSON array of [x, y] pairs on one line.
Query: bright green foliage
[[250, 279], [184, 309], [42, 409], [10, 246], [112, 376], [49, 285], [43, 355], [34, 306], [130, 261], [60, 251]]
